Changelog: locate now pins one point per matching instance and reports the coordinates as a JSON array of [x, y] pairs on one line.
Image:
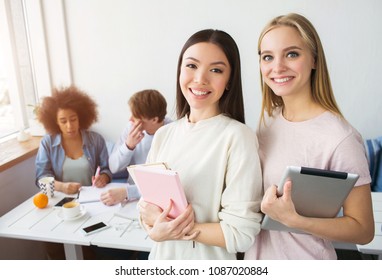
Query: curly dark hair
[[67, 98]]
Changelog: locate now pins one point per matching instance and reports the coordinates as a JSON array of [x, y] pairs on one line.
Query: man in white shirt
[[148, 114]]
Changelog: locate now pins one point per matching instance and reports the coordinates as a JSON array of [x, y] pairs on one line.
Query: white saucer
[[81, 214]]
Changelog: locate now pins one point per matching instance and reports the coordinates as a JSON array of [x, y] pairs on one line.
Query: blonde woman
[[302, 125]]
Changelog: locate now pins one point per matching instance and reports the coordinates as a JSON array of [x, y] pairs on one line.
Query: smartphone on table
[[64, 200], [95, 228]]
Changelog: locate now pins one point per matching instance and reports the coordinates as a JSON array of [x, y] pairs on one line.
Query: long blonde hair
[[322, 92]]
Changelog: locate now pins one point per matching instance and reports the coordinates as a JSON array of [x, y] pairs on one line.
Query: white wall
[[115, 48]]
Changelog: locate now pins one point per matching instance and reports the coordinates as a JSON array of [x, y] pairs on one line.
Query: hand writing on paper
[[179, 228], [96, 175], [100, 180]]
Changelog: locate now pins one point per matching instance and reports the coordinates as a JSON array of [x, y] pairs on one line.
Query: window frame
[[30, 80]]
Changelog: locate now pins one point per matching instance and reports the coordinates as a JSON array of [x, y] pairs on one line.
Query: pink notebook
[[158, 186]]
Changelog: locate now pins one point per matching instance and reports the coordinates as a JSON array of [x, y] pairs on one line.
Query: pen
[[96, 174]]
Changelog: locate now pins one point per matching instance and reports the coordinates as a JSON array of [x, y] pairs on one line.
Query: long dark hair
[[231, 103]]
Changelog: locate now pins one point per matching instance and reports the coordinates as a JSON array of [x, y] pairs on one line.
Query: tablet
[[315, 193], [158, 186]]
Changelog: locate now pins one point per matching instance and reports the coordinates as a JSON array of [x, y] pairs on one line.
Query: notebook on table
[[316, 193], [90, 194]]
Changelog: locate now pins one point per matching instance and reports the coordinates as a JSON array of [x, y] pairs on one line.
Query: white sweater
[[219, 167]]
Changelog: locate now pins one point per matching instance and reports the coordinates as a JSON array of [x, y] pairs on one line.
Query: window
[[7, 121], [17, 89]]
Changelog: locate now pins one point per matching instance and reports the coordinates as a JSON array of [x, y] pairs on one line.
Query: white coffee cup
[[46, 185], [71, 209]]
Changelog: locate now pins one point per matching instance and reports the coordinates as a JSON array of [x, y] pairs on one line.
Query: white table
[[28, 222], [375, 246]]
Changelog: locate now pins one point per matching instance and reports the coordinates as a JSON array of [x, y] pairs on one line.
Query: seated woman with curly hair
[[70, 152]]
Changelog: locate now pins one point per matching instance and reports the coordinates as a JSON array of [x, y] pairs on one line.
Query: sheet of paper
[[128, 210], [92, 194], [98, 208]]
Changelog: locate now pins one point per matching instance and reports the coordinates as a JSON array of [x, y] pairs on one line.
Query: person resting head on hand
[[148, 114]]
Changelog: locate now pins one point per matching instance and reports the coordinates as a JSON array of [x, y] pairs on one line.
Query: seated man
[[148, 114]]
